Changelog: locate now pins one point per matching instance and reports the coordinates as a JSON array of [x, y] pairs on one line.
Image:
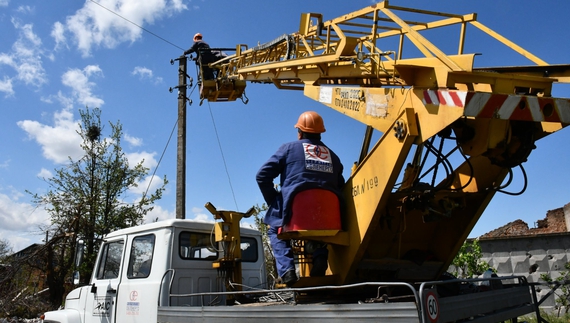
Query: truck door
[[140, 282], [101, 301]]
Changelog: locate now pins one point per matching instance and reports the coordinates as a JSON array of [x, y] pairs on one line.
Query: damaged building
[[517, 249]]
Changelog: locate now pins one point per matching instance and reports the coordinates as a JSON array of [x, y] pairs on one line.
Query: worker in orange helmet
[[198, 45], [306, 163], [203, 56]]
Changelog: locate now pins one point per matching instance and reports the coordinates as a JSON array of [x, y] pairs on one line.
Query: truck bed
[[253, 313], [438, 301]]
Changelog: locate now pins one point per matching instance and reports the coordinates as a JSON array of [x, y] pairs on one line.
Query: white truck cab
[[136, 265]]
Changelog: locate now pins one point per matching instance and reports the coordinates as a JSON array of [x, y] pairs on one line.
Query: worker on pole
[[203, 56]]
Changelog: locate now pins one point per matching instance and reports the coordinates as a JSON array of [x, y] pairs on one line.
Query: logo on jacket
[[317, 158]]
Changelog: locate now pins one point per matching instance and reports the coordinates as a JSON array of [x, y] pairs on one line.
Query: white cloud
[[196, 214], [4, 3], [200, 216], [142, 72], [24, 58], [27, 56], [78, 81], [6, 86], [149, 183], [6, 59], [20, 223], [66, 102], [24, 9], [133, 141], [5, 164], [158, 214], [145, 157], [58, 141], [248, 223], [178, 5], [145, 73], [20, 216], [108, 23], [44, 173], [58, 33]]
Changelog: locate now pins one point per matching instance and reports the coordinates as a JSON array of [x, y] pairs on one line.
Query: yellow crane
[[403, 220], [452, 137]]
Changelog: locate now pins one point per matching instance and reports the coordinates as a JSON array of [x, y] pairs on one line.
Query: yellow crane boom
[[404, 220]]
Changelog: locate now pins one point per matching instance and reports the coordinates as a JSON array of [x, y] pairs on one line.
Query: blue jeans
[[282, 252], [284, 258]]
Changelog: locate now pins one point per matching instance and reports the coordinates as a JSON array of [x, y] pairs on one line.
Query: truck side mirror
[[76, 277], [79, 247]]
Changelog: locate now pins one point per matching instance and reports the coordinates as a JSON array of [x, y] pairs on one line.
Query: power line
[[148, 31], [223, 158], [161, 156], [212, 116]]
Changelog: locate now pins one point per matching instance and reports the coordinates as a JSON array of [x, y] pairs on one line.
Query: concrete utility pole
[[181, 151]]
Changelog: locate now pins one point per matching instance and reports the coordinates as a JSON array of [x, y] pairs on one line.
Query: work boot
[[320, 265], [290, 278]]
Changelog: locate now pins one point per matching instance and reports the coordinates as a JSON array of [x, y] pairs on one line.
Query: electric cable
[[168, 42], [223, 158], [160, 159], [164, 151]]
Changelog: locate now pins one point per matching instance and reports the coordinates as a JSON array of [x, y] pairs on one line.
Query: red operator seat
[[314, 213]]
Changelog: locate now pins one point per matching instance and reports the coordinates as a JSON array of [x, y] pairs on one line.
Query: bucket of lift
[[314, 213], [221, 89]]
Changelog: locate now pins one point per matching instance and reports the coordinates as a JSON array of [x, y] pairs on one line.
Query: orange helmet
[[310, 122], [197, 37]]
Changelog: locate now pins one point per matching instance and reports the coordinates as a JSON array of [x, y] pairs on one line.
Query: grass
[[550, 318]]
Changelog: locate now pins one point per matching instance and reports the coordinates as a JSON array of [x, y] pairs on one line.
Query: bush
[[549, 317], [467, 263], [562, 290]]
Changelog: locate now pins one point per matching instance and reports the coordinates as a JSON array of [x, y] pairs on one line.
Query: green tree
[[560, 286], [468, 263], [6, 271], [270, 268], [87, 198], [5, 249]]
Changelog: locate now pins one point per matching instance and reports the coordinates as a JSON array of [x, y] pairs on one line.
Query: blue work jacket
[[301, 165], [196, 47]]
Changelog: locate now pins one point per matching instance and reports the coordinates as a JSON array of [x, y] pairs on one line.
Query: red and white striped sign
[[502, 106], [443, 97]]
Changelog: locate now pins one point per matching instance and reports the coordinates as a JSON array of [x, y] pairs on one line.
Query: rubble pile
[[553, 223]]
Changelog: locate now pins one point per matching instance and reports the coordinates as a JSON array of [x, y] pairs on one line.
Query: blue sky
[[59, 56]]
